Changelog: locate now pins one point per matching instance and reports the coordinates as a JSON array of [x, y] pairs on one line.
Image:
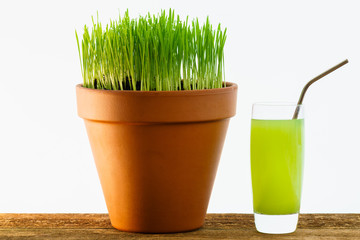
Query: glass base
[[276, 224]]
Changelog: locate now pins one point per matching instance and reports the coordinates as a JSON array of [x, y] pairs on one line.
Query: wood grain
[[217, 226]]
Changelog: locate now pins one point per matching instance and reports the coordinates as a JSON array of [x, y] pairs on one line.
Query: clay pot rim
[[156, 106], [230, 86]]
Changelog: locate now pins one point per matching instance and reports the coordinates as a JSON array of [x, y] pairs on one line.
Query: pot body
[[157, 165]]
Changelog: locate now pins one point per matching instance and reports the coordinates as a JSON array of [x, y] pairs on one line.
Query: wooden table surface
[[217, 226]]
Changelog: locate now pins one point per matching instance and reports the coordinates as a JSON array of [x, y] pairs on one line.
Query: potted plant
[[156, 110]]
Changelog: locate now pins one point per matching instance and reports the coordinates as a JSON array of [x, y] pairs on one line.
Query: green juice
[[277, 155]]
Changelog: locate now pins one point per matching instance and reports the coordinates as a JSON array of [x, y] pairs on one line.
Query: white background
[[273, 49]]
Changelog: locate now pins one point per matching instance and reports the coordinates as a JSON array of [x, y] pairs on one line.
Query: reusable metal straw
[[296, 113]]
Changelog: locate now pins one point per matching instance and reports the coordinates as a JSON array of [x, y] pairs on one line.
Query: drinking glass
[[277, 156]]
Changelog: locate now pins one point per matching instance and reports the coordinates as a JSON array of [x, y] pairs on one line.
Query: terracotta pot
[[157, 153]]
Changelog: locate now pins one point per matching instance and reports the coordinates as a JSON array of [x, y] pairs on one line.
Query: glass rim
[[277, 104]]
